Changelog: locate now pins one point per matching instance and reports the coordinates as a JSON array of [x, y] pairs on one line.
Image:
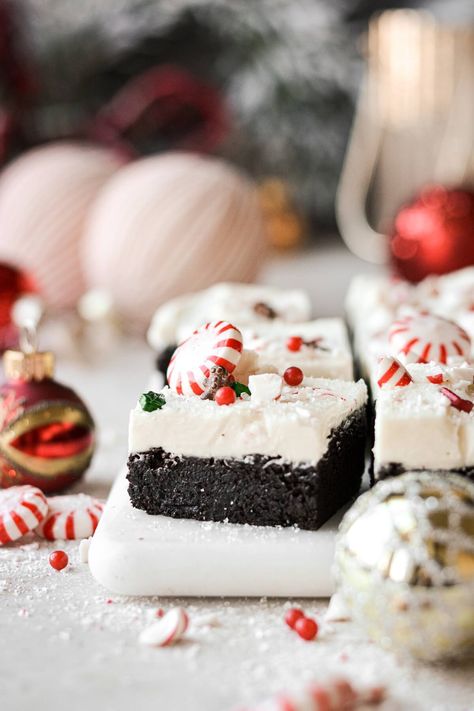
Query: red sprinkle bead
[[456, 401], [160, 612], [225, 396], [294, 343], [293, 376], [58, 560], [292, 615], [307, 628]]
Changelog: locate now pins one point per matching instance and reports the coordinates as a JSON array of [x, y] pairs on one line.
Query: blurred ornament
[[168, 224], [163, 107], [17, 84], [285, 228], [45, 198], [46, 432], [434, 234], [13, 285], [404, 564]]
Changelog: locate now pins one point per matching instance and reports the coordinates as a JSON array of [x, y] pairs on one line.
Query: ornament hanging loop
[[28, 339]]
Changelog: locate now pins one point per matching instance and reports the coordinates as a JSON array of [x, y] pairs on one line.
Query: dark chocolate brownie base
[[257, 489], [395, 469]]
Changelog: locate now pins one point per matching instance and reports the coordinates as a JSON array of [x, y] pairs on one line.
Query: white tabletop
[[66, 643]]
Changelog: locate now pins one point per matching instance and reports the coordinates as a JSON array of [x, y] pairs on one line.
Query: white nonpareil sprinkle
[[265, 387], [337, 609], [84, 550]]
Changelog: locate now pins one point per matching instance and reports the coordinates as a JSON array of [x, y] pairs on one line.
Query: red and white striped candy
[[216, 343], [423, 338], [167, 630], [337, 695], [391, 373], [70, 517], [22, 508]]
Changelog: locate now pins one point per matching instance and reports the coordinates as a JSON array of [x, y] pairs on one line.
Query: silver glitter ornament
[[404, 564]]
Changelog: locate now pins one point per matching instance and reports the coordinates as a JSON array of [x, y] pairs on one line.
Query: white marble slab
[[133, 553]]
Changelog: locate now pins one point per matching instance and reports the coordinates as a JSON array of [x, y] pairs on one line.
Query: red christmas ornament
[[46, 432], [434, 234], [13, 285]]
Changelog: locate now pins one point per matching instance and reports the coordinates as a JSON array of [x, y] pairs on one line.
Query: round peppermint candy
[[22, 508], [70, 517], [215, 343], [424, 338]]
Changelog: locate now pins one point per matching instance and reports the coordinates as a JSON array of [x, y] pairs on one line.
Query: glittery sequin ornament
[[405, 564]]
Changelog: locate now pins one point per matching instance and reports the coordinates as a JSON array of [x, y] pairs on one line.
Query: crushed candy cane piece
[[167, 630]]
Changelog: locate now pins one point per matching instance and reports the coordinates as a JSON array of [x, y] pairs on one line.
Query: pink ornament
[[45, 198], [171, 224]]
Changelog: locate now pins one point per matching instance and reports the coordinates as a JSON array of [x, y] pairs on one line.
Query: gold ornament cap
[[28, 366], [28, 363]]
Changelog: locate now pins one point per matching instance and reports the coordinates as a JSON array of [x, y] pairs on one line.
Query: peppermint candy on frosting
[[215, 343], [391, 373], [425, 338]]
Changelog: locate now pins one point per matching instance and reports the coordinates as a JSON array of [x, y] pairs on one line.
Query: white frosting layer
[[330, 358], [296, 427], [417, 426], [175, 320]]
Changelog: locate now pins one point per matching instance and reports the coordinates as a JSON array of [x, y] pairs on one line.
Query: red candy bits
[[58, 560], [456, 401], [293, 376], [292, 615], [225, 396], [294, 343], [307, 628]]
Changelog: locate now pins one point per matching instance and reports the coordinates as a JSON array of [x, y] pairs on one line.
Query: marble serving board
[[133, 553]]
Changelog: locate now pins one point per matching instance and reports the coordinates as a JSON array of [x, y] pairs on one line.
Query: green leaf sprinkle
[[240, 388], [151, 401]]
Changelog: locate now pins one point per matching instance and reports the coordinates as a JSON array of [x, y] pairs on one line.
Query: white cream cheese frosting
[[234, 302], [295, 427], [329, 357], [418, 427]]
